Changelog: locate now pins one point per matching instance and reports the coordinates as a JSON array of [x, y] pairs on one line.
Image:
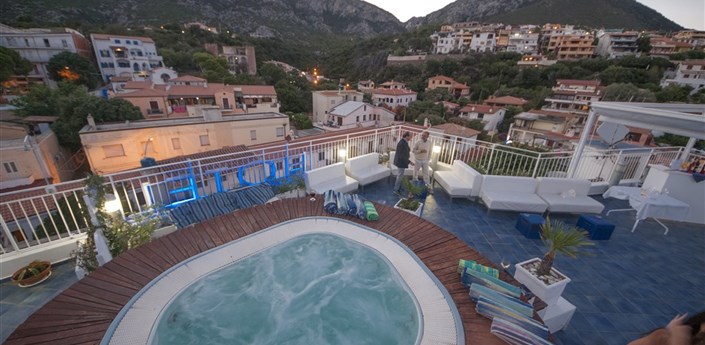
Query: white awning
[[682, 119]]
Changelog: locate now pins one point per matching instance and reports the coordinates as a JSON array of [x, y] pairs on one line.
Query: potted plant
[[538, 275], [412, 203], [32, 274], [292, 187]]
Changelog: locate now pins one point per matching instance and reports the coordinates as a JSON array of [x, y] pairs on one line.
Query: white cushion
[[461, 180], [408, 171], [366, 169], [567, 195], [328, 177], [513, 184], [520, 202]]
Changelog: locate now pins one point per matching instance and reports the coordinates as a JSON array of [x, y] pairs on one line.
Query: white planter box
[[557, 316], [547, 293], [417, 213]]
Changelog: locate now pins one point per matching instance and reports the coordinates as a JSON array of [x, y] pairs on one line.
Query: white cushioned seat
[[511, 193], [328, 177], [366, 169], [568, 195], [460, 181]]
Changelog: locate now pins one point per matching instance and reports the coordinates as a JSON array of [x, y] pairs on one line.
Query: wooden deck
[[82, 313]]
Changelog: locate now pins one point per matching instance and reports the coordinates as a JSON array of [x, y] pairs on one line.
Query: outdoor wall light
[[112, 204], [436, 149], [342, 153]]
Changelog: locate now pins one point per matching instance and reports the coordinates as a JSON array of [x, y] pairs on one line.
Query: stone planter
[[417, 212], [296, 193], [547, 293]]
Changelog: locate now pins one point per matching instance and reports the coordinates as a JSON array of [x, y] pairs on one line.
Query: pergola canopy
[[682, 119]]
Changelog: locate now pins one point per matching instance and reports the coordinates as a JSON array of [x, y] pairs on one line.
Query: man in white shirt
[[422, 151]]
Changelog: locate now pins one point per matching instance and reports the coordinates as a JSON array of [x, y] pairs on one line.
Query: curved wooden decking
[[83, 312]]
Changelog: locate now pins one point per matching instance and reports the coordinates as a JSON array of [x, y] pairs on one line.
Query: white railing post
[[489, 162], [8, 234], [115, 192], [310, 155], [578, 153], [536, 167]]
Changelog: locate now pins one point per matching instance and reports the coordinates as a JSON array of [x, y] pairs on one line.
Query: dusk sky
[[688, 13]]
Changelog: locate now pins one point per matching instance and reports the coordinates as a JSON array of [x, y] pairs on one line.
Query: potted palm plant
[[32, 274], [538, 275], [412, 203]]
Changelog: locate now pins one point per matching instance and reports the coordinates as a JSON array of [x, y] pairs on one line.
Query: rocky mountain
[[279, 18], [627, 14]]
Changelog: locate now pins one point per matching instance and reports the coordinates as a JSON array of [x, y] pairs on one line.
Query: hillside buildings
[[688, 73], [454, 88], [393, 97], [491, 116], [324, 101], [39, 46], [125, 56], [616, 44], [354, 114], [241, 59], [693, 37]]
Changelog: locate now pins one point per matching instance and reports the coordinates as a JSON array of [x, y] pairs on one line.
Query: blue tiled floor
[[629, 285]]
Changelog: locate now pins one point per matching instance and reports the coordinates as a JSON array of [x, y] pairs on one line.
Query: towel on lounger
[[361, 211], [329, 202], [352, 207], [371, 211], [342, 204]]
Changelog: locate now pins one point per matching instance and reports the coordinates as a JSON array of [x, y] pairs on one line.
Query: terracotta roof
[[480, 108], [137, 85], [577, 82], [108, 37], [191, 90], [694, 62], [392, 92], [447, 104], [457, 130], [257, 89], [508, 100], [442, 77], [116, 79], [142, 93], [187, 78], [390, 83]]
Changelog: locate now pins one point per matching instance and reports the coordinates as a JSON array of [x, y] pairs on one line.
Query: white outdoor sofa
[[366, 169], [510, 193], [328, 177], [460, 181], [567, 195], [408, 171]]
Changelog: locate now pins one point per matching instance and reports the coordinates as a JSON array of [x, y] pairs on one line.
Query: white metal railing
[[33, 217]]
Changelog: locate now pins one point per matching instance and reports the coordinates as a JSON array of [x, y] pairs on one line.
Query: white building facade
[[490, 116], [688, 73], [123, 56]]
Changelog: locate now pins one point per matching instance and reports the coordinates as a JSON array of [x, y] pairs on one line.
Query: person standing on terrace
[[401, 160], [421, 151]]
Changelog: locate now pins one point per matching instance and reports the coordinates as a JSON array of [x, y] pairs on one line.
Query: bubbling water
[[314, 289]]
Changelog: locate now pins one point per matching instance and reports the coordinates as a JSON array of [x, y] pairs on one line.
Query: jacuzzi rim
[[460, 336]]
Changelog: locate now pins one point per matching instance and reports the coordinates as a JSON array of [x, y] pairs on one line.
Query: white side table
[[558, 315]]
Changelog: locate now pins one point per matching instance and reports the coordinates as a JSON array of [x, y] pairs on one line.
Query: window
[[253, 135], [280, 131], [357, 119], [117, 41], [26, 42], [10, 167], [176, 143], [64, 43], [321, 155], [128, 42], [46, 43], [205, 141], [113, 151], [364, 118]]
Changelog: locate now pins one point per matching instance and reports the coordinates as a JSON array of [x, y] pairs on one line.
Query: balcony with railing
[[36, 220]]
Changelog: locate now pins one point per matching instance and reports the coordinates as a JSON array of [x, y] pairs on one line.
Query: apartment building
[[505, 101], [393, 97], [241, 59], [491, 116], [354, 114], [445, 42], [112, 147], [454, 88], [572, 46], [523, 42], [573, 95], [365, 85], [38, 46], [549, 31], [30, 159], [688, 73], [178, 97], [693, 37], [616, 44], [664, 47], [483, 41], [543, 128], [124, 56], [324, 101], [392, 85]]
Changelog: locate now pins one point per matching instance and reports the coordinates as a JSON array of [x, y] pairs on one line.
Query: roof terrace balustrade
[[34, 222]]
